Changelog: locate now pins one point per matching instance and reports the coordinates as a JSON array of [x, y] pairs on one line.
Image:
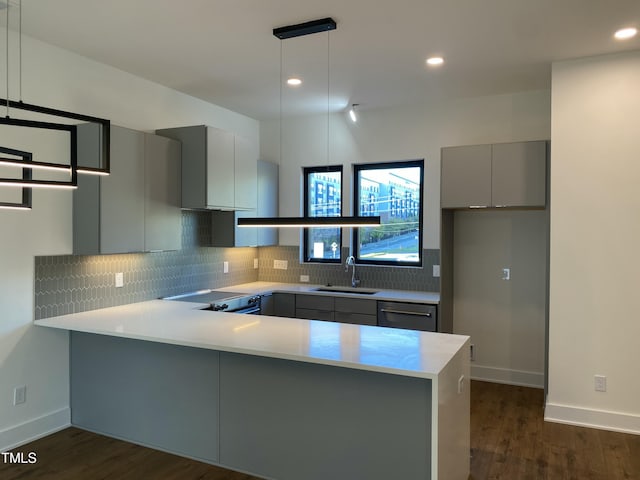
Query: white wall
[[595, 234], [37, 357], [417, 131]]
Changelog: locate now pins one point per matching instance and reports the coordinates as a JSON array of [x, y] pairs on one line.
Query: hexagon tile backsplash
[[76, 283]]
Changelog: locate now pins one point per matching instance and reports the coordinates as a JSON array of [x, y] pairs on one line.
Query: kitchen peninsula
[[280, 398]]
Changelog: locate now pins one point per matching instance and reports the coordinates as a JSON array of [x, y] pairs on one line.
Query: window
[[322, 198], [392, 190]]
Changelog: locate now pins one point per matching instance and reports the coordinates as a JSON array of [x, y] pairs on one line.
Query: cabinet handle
[[404, 312]]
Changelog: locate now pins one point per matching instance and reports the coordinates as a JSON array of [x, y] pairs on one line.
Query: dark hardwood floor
[[509, 440]]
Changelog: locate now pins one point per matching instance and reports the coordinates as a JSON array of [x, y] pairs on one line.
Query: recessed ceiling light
[[294, 81], [435, 61], [625, 33]]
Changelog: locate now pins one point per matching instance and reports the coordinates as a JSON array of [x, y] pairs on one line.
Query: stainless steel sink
[[356, 290]]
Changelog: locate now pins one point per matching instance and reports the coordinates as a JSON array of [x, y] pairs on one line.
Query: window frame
[[306, 171], [355, 250]]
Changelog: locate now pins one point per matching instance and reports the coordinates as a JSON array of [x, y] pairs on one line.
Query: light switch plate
[[436, 270], [19, 395], [255, 263], [304, 278], [119, 280], [225, 267]]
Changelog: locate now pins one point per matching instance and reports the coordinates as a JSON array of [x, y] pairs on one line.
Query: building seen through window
[[323, 198], [392, 190]]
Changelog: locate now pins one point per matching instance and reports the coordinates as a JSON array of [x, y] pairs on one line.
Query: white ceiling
[[223, 51]]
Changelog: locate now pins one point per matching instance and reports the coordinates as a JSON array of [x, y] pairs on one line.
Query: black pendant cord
[[328, 91], [7, 58], [280, 112], [19, 52]]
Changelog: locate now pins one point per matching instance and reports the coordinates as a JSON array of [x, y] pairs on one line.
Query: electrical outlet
[[436, 270], [304, 278], [600, 383], [20, 395], [225, 267], [119, 280], [255, 263], [506, 274], [472, 353], [280, 264]]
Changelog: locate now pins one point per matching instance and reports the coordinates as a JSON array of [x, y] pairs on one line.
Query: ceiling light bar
[[27, 156], [9, 206], [15, 182], [306, 28], [306, 222], [9, 162], [104, 124]]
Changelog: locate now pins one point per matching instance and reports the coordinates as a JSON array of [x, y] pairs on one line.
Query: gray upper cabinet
[[466, 176], [134, 208], [162, 214], [498, 175], [219, 168], [268, 204], [519, 174], [224, 229]]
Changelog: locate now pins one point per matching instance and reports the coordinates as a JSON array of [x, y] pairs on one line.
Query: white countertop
[[256, 288], [387, 350]]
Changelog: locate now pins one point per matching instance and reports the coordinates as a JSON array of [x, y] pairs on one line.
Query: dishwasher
[[412, 316]]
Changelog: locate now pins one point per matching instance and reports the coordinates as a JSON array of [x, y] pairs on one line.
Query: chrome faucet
[[352, 261]]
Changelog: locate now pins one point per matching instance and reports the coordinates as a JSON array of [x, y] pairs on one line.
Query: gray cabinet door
[[268, 188], [412, 316], [314, 314], [466, 176], [355, 310], [519, 174], [220, 168], [355, 318], [122, 194], [284, 305], [224, 224], [245, 174], [194, 163], [162, 216]]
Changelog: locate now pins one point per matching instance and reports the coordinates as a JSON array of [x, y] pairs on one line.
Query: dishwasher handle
[[405, 312]]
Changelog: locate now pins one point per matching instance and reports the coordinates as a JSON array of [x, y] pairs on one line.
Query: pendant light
[[72, 168], [283, 33]]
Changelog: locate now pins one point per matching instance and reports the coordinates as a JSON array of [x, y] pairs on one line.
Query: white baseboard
[[585, 417], [508, 376], [31, 430]]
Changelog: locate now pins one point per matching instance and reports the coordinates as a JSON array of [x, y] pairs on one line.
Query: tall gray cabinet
[[510, 180], [134, 209]]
